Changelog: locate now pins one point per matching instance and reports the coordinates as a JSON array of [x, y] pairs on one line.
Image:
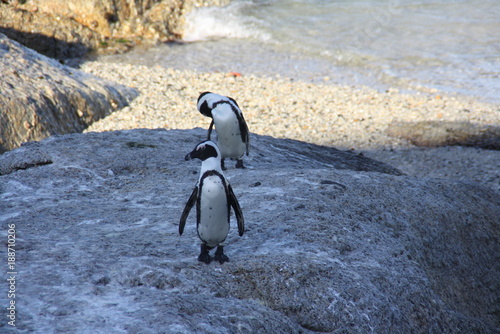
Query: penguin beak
[[192, 155]]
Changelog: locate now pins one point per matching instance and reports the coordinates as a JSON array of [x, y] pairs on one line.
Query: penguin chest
[[213, 221], [228, 134]]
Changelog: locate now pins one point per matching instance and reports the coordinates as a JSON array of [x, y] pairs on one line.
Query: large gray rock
[[330, 245], [40, 97]]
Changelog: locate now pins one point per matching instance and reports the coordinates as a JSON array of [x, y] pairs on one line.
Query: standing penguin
[[232, 130], [214, 198]]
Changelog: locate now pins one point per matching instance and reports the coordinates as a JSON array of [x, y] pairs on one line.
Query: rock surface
[[62, 29], [327, 247], [40, 97]]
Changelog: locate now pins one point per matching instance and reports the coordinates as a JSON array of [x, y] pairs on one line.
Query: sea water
[[429, 45]]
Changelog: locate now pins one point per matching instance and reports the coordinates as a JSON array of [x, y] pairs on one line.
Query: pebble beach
[[345, 117]]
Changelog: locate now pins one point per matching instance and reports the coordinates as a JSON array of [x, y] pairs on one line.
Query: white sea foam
[[206, 23]]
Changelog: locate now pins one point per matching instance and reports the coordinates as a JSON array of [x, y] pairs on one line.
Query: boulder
[[63, 29], [41, 97], [441, 133], [334, 242]]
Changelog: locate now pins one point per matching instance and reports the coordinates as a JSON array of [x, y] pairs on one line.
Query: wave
[[206, 23]]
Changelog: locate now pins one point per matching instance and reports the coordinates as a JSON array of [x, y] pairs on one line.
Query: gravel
[[345, 117]]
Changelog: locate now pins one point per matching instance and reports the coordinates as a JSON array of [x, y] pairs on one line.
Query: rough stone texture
[[62, 29], [440, 133], [325, 249], [40, 97], [470, 164]]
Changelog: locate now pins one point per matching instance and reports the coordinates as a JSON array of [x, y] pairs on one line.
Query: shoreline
[[344, 117], [268, 61]]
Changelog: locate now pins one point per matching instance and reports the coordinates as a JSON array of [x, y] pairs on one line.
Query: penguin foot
[[204, 256], [220, 256], [239, 164]]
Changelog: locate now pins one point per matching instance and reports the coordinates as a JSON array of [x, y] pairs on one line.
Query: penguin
[[214, 199], [232, 130]]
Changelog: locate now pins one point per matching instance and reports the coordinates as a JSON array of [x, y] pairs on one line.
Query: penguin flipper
[[237, 211], [210, 129], [187, 208], [245, 134]]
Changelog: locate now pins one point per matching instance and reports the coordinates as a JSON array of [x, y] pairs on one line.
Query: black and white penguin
[[214, 198], [232, 130]]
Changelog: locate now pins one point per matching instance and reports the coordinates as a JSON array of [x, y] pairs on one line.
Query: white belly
[[228, 135], [214, 225]]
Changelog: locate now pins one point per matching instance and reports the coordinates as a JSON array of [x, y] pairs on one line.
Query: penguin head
[[203, 104], [204, 150], [208, 100]]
